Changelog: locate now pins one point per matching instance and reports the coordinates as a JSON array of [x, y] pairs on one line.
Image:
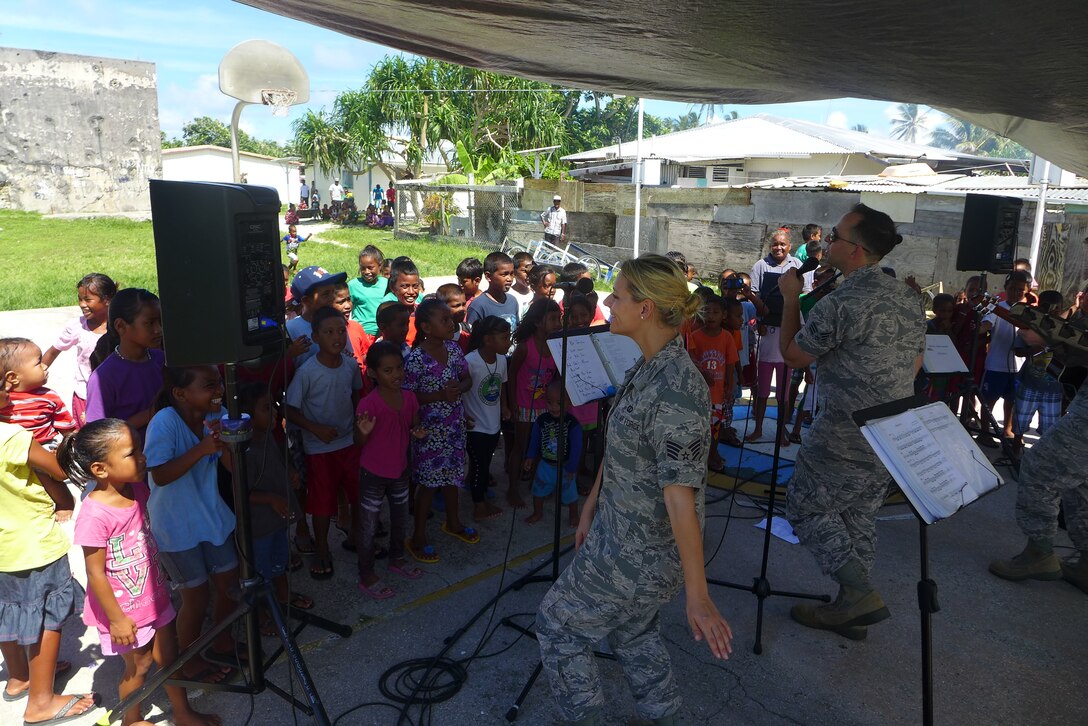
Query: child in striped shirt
[[36, 408]]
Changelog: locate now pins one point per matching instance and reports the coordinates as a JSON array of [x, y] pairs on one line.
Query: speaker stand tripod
[[256, 591]]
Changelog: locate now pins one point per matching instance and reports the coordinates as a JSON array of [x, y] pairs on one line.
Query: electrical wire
[[425, 682]]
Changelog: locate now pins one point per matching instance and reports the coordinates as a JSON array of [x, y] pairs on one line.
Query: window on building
[[693, 172], [721, 173]]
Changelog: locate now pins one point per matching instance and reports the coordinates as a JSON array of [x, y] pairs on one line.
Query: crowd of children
[[393, 397]]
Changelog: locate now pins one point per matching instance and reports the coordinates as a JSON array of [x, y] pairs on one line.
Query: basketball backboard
[[260, 71]]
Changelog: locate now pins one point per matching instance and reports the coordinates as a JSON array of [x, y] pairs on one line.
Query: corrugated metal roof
[[946, 184], [767, 136]]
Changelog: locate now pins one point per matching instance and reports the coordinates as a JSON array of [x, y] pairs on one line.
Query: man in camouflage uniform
[[658, 436], [1053, 471], [866, 338]]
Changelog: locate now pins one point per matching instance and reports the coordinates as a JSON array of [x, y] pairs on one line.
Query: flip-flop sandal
[[378, 591], [426, 555], [208, 675], [795, 437], [305, 545], [468, 534], [302, 602], [321, 570], [408, 571], [62, 667], [295, 564], [62, 716], [232, 660], [10, 698]]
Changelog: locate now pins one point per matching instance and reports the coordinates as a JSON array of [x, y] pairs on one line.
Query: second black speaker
[[989, 235]]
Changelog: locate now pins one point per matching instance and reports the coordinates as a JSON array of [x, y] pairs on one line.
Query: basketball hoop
[[279, 99], [259, 71]]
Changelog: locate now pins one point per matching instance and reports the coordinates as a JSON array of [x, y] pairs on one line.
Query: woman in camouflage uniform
[[640, 534]]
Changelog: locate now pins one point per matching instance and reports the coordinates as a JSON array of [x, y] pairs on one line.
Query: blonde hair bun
[[657, 278]]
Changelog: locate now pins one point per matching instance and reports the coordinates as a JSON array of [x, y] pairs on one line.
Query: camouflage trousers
[[584, 606], [832, 505], [1053, 471]]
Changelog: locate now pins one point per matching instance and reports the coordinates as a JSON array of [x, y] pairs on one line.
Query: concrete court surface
[[1004, 653]]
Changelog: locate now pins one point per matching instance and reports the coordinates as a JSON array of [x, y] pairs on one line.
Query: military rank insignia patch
[[691, 450]]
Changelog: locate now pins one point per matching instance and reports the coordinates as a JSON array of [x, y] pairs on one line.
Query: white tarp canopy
[[1018, 68]]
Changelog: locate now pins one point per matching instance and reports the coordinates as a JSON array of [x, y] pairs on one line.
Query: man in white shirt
[[304, 193], [554, 219], [999, 381], [336, 195]]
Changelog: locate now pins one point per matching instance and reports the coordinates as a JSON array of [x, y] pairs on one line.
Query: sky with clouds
[[187, 40]]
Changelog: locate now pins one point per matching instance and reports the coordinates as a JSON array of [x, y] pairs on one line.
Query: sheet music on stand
[[930, 455], [597, 360], [941, 355]]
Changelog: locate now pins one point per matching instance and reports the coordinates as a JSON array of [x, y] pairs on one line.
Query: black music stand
[[564, 334], [927, 587]]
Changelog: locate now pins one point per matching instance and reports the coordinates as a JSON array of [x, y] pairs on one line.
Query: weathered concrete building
[[729, 226], [77, 133]]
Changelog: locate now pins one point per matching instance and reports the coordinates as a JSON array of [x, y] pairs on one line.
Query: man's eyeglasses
[[836, 237]]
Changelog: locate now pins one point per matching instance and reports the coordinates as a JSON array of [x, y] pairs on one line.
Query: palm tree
[[710, 111], [967, 138], [909, 125], [689, 120], [320, 141]]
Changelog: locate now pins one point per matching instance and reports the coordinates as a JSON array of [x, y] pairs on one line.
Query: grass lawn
[[45, 258]]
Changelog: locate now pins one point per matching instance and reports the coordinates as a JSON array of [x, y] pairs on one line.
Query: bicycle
[[549, 254]]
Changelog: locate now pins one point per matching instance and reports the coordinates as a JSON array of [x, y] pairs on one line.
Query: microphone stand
[[761, 586], [515, 708]]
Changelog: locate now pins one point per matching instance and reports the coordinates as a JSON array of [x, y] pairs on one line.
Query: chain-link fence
[[490, 216], [485, 215]]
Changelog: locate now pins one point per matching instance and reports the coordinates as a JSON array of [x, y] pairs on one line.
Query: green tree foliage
[[602, 120], [416, 109], [320, 141], [206, 130], [689, 120], [909, 123], [412, 109], [968, 138]]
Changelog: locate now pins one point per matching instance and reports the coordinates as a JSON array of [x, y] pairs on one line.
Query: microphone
[[583, 285], [810, 264]]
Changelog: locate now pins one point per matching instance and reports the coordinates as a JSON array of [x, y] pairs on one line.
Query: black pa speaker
[[989, 234], [217, 250]]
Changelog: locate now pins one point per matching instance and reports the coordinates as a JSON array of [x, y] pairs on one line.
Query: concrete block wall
[[77, 133], [717, 228]]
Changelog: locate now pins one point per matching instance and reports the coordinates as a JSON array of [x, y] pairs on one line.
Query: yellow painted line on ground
[[423, 600]]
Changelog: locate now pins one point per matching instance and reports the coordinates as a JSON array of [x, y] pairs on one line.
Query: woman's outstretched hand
[[707, 624]]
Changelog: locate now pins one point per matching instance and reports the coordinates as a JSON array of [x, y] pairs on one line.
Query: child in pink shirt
[[384, 421], [127, 598], [531, 369]]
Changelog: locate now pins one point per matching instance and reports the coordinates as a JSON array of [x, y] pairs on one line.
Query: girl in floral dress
[[436, 372]]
